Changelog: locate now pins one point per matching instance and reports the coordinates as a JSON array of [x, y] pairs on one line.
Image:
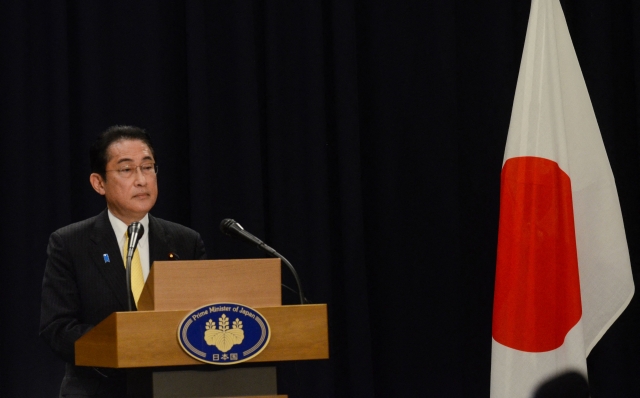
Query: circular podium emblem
[[224, 333]]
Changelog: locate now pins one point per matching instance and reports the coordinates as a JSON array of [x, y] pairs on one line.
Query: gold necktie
[[137, 279]]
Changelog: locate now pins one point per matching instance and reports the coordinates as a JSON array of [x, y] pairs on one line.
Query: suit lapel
[[105, 243], [160, 243]]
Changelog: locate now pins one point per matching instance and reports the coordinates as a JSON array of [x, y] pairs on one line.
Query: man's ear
[[97, 183]]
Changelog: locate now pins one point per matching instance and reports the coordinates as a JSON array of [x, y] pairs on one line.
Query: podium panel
[[185, 285], [149, 338]]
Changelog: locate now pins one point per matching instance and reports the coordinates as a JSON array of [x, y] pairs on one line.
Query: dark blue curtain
[[361, 139]]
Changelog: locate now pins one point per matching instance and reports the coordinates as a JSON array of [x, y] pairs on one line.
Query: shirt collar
[[120, 229]]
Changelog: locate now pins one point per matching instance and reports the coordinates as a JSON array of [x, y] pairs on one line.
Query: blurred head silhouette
[[566, 385]]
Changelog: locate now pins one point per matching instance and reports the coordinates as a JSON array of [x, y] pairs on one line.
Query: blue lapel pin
[[105, 257]]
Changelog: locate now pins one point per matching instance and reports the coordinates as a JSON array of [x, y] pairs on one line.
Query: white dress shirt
[[120, 229]]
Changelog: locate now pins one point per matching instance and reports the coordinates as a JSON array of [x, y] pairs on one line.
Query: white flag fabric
[[563, 273]]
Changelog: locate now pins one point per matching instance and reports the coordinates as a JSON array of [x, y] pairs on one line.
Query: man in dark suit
[[85, 277]]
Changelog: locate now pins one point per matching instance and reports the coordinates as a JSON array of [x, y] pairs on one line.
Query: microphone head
[[231, 228], [227, 224], [135, 228]]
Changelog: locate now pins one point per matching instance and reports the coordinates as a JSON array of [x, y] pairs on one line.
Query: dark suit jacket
[[80, 288]]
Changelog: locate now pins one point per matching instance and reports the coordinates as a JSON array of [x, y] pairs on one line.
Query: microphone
[[231, 228], [135, 232]]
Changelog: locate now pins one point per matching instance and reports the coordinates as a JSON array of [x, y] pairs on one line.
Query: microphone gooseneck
[[231, 228], [134, 232]]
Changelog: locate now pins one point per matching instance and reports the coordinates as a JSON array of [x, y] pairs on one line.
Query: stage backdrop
[[361, 139]]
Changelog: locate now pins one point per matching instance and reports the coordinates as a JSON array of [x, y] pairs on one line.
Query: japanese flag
[[563, 274]]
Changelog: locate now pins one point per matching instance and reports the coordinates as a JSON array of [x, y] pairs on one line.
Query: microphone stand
[[129, 260], [231, 228], [134, 232], [274, 253]]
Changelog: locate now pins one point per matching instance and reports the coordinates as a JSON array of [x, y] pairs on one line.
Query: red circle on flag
[[537, 292]]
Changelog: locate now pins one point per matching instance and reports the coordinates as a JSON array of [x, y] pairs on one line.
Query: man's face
[[128, 198]]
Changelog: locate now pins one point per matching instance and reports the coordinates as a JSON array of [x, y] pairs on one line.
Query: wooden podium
[[147, 338]]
